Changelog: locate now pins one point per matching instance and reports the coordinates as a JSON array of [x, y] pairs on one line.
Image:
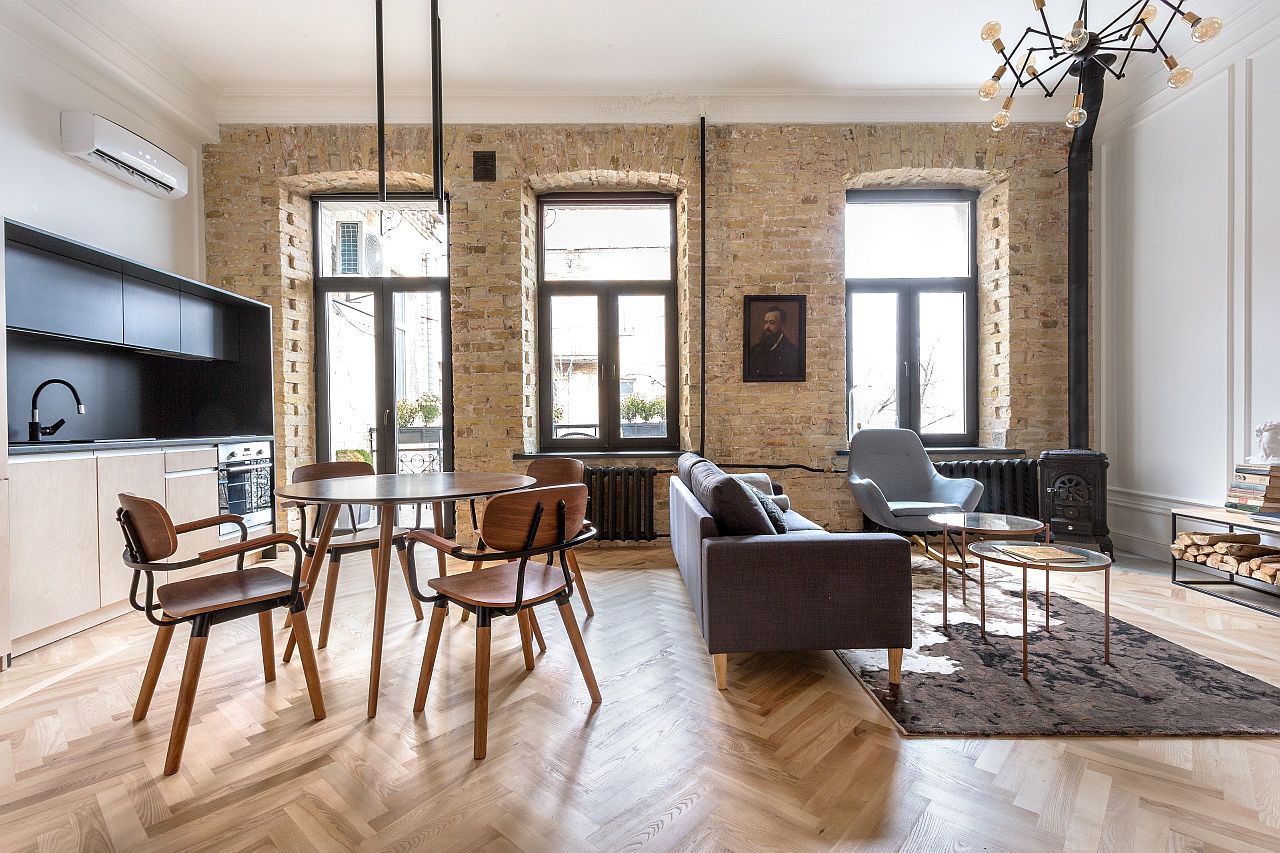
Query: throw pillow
[[764, 484], [771, 509], [736, 511]]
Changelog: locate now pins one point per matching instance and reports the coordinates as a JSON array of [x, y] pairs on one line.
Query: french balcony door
[[383, 370]]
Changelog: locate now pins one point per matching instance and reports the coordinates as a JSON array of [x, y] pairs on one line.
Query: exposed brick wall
[[775, 226]]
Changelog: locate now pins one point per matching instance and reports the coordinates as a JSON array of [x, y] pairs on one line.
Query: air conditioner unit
[[123, 154]]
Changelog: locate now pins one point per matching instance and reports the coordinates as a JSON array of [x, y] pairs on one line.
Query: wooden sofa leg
[[721, 664], [895, 667]]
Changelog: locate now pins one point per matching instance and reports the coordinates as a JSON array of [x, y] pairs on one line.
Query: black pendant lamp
[[437, 111]]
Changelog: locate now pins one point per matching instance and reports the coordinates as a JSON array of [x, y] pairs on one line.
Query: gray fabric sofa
[[753, 589]]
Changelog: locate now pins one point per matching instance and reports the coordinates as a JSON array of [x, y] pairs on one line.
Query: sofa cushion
[[797, 522], [684, 468], [913, 508], [770, 508], [736, 511], [764, 484]]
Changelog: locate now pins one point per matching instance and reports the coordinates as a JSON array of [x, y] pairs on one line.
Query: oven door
[[244, 489]]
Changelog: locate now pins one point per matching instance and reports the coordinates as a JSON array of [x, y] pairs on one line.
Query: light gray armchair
[[897, 486]]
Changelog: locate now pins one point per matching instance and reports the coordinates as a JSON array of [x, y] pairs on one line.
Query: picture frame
[[773, 338]]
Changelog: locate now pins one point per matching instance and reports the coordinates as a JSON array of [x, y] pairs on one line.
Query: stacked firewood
[[1239, 553]]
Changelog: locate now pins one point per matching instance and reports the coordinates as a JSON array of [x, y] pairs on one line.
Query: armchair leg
[[480, 736], [537, 632], [330, 594], [268, 646], [526, 641], [404, 570], [186, 695], [580, 582], [895, 667], [429, 654], [721, 664], [158, 650], [579, 649], [302, 631]]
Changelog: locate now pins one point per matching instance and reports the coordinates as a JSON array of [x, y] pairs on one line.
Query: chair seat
[[362, 539], [496, 586], [223, 590], [906, 509]]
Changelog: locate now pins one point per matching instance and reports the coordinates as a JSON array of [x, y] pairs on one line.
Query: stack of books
[[1254, 489]]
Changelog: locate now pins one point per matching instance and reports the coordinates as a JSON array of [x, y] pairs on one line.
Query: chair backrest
[[331, 471], [895, 460], [148, 524], [508, 517], [555, 472]]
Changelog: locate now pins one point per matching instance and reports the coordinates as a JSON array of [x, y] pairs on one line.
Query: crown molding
[[123, 61], [586, 106]]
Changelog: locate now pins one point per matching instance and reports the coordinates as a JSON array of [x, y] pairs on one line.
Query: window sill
[[602, 454], [986, 452]]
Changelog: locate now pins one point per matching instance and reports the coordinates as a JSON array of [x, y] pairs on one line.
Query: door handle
[[386, 416]]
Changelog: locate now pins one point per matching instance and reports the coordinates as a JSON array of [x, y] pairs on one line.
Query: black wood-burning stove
[[1073, 482]]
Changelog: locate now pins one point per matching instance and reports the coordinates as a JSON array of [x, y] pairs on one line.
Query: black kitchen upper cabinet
[[209, 329], [152, 315], [50, 293]]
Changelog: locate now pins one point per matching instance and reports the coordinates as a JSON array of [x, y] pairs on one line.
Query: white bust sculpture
[[1268, 442]]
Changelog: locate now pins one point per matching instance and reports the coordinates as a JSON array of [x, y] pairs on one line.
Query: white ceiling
[[292, 60]]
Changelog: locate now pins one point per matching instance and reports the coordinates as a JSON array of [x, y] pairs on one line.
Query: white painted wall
[[43, 187], [1188, 278]]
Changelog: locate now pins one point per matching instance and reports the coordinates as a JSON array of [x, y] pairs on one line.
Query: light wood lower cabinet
[[140, 474], [53, 534], [188, 497]]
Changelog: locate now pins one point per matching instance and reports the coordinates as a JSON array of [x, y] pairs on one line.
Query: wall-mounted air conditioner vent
[[123, 154]]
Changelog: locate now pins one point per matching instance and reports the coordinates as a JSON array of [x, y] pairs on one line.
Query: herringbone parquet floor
[[794, 756]]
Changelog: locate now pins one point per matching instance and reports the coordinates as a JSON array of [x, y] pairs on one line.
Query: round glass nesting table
[[1084, 561], [976, 524]]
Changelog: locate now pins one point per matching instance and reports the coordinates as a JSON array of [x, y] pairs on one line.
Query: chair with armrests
[[349, 539], [151, 538], [896, 485], [517, 526]]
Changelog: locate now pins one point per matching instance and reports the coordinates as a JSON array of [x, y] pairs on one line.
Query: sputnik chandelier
[[1137, 29]]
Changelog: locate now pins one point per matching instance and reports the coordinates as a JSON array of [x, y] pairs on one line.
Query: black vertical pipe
[[702, 283], [437, 111], [1079, 165], [382, 110]]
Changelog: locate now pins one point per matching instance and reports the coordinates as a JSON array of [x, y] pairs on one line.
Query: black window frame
[[907, 291], [383, 289], [606, 292]]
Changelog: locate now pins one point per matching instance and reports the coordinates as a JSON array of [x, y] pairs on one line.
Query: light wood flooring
[[794, 756]]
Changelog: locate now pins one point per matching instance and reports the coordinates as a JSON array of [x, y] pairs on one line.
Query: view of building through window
[[911, 280]]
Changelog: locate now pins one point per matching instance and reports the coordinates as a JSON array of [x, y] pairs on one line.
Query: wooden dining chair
[[352, 539], [151, 538], [517, 526]]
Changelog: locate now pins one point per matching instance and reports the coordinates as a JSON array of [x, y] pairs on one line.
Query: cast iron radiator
[[1011, 486], [620, 502]]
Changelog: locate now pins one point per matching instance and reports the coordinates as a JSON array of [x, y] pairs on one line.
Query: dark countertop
[[24, 448]]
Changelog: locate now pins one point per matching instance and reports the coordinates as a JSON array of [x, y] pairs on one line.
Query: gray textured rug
[[957, 684]]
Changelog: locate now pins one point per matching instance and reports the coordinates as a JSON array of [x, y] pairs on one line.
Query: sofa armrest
[[806, 591]]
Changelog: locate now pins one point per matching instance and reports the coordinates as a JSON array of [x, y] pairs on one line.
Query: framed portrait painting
[[773, 339]]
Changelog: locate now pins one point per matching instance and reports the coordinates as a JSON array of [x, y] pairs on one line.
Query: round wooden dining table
[[387, 492]]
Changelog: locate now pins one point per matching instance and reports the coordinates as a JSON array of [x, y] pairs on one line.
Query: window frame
[[606, 292], [907, 291]]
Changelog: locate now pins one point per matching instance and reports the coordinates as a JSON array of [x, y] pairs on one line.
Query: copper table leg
[[964, 567], [945, 539], [1106, 614], [982, 595], [1047, 575], [1024, 623]]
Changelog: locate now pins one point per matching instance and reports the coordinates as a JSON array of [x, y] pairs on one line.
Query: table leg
[[982, 596], [1024, 623], [383, 572], [1106, 614], [311, 571], [945, 539], [1047, 575], [964, 567]]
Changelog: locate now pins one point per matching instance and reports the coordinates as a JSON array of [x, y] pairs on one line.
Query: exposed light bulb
[[1029, 65], [990, 31], [1076, 40], [1077, 116], [1180, 77], [1001, 121], [988, 90], [1148, 14], [1205, 29]]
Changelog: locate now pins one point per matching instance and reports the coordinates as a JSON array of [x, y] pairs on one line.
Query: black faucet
[[34, 430]]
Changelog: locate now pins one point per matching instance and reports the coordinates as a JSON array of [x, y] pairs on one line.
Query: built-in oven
[[244, 484]]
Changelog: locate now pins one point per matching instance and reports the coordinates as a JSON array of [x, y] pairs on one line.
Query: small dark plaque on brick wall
[[484, 166]]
